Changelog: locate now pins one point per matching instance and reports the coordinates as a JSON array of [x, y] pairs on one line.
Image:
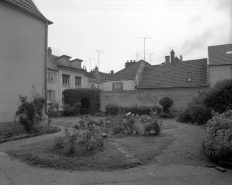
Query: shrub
[[140, 110], [72, 96], [71, 110], [217, 143], [184, 116], [219, 98], [30, 113], [165, 115], [166, 102], [53, 109]]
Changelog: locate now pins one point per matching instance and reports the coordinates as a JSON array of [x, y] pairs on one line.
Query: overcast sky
[[115, 27]]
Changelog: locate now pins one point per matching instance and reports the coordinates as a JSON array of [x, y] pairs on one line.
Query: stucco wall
[[149, 98], [219, 73], [127, 85], [22, 58]]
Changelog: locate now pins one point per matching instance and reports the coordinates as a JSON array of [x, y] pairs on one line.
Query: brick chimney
[[49, 52], [127, 64], [172, 57], [167, 59], [181, 58], [112, 72]]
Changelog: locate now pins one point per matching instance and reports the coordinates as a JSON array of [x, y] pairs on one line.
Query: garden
[[125, 137]]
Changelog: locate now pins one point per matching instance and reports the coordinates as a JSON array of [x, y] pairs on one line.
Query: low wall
[[179, 96]]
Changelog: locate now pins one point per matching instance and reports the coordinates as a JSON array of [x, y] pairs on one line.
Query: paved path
[[13, 172]]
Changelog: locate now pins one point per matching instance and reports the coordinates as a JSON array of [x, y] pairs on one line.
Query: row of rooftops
[[174, 73]]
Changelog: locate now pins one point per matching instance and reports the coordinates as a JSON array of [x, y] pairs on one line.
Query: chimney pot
[[172, 57]]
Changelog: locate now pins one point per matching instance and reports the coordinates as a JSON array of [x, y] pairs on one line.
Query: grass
[[105, 158]]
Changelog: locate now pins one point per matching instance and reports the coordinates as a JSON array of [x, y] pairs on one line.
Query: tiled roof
[[51, 63], [127, 73], [218, 56], [30, 6], [192, 73]]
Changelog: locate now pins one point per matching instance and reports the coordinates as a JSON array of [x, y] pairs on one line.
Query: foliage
[[53, 109], [86, 134], [72, 96], [219, 98], [139, 110], [184, 116], [30, 113], [217, 143], [165, 115], [141, 125], [166, 102], [73, 110]]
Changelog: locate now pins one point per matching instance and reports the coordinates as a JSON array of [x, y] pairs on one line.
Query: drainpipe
[[46, 60]]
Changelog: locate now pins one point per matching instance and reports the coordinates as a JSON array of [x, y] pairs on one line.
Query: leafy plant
[[71, 110], [30, 113], [217, 143], [53, 109], [166, 102], [165, 115]]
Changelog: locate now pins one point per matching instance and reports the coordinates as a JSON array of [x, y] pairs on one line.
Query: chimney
[[96, 69], [49, 52], [167, 59], [112, 72], [181, 58], [172, 57]]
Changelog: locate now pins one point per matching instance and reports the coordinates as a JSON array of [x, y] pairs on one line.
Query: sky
[[117, 28]]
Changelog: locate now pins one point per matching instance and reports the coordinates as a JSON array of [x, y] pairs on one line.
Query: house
[[64, 73], [175, 74], [220, 62], [23, 54], [125, 79]]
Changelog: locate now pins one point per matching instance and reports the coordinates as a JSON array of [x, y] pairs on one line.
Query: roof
[[98, 76], [217, 54], [191, 73], [58, 64], [127, 73], [51, 63], [30, 6]]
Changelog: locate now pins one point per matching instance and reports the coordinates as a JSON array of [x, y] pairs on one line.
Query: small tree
[[166, 102]]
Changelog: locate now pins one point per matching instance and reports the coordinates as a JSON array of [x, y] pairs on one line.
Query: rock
[[104, 135]]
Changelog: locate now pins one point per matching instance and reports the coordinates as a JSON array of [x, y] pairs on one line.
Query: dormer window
[[229, 52]]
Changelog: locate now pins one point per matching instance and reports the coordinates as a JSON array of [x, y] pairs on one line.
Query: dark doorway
[[84, 106]]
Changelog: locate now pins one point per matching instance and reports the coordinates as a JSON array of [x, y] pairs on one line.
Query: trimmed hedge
[[72, 96], [140, 110]]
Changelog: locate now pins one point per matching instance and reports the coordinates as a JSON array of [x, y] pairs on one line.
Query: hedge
[[72, 96]]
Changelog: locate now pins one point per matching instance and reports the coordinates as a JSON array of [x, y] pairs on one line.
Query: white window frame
[[115, 84], [66, 80], [50, 77], [51, 95], [78, 81]]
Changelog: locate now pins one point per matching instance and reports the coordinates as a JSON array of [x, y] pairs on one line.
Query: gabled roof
[[29, 6], [218, 54], [127, 73], [191, 73]]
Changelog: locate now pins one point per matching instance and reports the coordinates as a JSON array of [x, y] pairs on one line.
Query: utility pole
[[98, 58], [150, 56], [90, 63], [144, 38]]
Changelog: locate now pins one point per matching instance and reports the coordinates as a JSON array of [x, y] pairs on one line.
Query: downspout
[[46, 60]]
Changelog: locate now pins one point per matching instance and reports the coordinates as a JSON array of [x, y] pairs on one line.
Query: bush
[[217, 143], [139, 110], [71, 110], [200, 113], [184, 116], [166, 102], [30, 113], [53, 109], [165, 115], [72, 96], [219, 98]]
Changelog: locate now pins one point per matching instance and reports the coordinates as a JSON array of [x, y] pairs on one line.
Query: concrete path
[[13, 172]]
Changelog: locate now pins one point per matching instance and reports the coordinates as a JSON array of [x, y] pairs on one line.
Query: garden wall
[[180, 97]]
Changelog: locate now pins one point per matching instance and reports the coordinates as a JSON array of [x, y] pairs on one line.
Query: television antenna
[[98, 58], [150, 56], [90, 63], [144, 38]]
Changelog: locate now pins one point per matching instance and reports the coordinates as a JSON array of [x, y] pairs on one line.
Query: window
[[51, 95], [50, 77], [77, 81], [117, 86], [65, 80], [92, 85]]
